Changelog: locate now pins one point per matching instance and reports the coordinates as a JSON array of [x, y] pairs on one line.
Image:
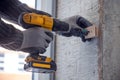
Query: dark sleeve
[[11, 9], [10, 37]]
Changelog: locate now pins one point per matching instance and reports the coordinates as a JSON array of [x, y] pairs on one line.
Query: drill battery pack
[[40, 64]]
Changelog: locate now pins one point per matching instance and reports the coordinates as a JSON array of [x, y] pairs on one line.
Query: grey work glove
[[77, 27], [36, 40], [10, 37]]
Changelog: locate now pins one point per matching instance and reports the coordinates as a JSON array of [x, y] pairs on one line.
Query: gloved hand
[[77, 25], [36, 40]]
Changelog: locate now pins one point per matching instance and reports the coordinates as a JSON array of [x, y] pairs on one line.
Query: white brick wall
[[77, 60]]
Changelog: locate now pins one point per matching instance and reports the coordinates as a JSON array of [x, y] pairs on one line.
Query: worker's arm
[[33, 40], [11, 9], [10, 37]]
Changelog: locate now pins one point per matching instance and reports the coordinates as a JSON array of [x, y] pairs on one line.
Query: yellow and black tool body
[[39, 64], [38, 20], [28, 20], [36, 62]]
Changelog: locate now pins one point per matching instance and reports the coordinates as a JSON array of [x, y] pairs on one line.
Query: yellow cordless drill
[[36, 62]]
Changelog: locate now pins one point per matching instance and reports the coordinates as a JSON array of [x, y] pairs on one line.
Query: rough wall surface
[[111, 40], [77, 60]]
